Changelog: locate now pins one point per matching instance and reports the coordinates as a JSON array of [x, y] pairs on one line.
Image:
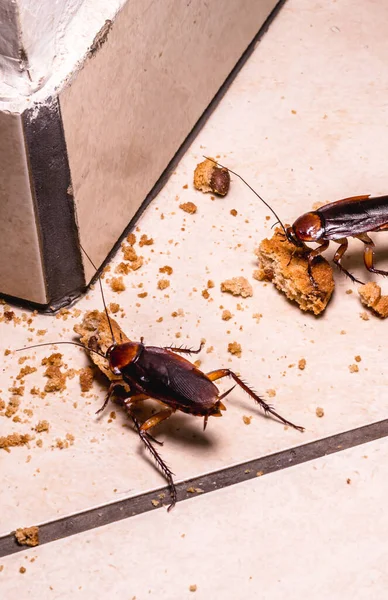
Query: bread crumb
[[286, 266], [208, 177], [27, 536], [122, 268], [17, 390], [357, 358], [41, 332], [114, 307], [238, 286], [319, 412], [14, 439], [27, 370], [226, 315], [271, 393], [42, 426], [235, 348], [364, 316], [247, 420], [205, 294], [86, 377], [131, 239], [210, 284], [195, 490], [166, 269], [117, 284], [54, 360], [155, 502], [39, 442], [257, 316], [145, 241], [7, 352], [348, 481], [12, 406], [302, 364], [233, 212], [371, 297], [188, 207], [163, 284], [349, 292], [22, 570], [353, 368], [129, 253], [57, 380], [259, 473], [193, 588]]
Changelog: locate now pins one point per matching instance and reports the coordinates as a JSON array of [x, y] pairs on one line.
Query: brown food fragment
[[54, 360], [302, 364], [238, 286], [233, 212], [117, 284], [226, 315], [27, 370], [247, 420], [42, 426], [12, 406], [136, 264], [8, 315], [145, 240], [353, 368], [27, 536], [271, 393], [189, 207], [371, 297], [18, 391], [131, 239], [122, 268], [14, 439], [195, 490], [193, 588], [129, 253], [364, 316], [348, 481], [319, 412], [22, 570], [57, 379], [235, 348], [114, 307], [208, 177], [205, 294], [7, 352], [357, 358], [285, 265], [155, 502], [166, 269], [86, 377], [163, 284]]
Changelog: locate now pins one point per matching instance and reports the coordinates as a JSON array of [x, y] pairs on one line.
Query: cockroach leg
[[185, 350], [311, 257], [369, 255], [108, 396], [214, 375], [157, 418], [158, 459], [338, 257]]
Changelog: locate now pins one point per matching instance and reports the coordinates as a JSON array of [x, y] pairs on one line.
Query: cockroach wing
[[174, 380], [351, 217]]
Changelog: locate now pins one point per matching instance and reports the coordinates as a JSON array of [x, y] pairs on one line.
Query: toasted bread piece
[[94, 332], [371, 297], [285, 265], [208, 177]]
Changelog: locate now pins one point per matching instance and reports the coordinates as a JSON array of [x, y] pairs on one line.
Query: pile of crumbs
[[14, 439], [235, 348], [68, 441], [238, 286]]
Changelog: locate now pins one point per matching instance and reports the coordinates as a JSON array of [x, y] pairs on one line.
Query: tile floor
[[305, 121]]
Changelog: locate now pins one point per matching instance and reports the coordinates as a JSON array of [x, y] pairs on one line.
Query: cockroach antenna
[[56, 343], [254, 191], [102, 294]]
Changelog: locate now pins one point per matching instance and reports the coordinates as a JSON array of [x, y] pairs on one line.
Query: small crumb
[[185, 187], [349, 292], [166, 269], [209, 177], [197, 363], [271, 393], [22, 570], [188, 207], [117, 284], [195, 490], [238, 286], [86, 377], [319, 412], [131, 239], [302, 364], [235, 348], [41, 332], [142, 295], [353, 368], [247, 420], [357, 358], [27, 536], [42, 426], [210, 284], [257, 316], [114, 307], [205, 294], [129, 253], [371, 297], [226, 315], [7, 352], [348, 481], [159, 320], [193, 588], [145, 240], [155, 502], [233, 212], [54, 360], [364, 316], [259, 473], [57, 380], [163, 284]]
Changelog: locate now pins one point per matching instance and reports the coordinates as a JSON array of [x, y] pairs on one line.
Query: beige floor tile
[[304, 122], [315, 531]]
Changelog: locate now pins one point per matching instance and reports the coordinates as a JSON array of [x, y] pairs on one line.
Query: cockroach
[[336, 222], [162, 374]]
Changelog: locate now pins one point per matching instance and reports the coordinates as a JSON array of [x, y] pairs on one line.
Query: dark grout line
[[137, 505]]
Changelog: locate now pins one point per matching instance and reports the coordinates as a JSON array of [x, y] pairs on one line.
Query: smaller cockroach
[[336, 222], [161, 374]]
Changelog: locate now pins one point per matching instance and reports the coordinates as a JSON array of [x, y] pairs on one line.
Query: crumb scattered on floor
[[302, 364], [163, 284], [193, 588], [247, 420], [357, 358], [364, 316], [319, 411], [166, 269], [117, 284], [14, 439], [42, 426], [271, 393], [371, 297], [208, 177], [353, 368], [27, 536], [56, 379], [226, 315], [195, 490], [235, 348], [188, 207], [86, 377], [145, 241], [238, 286]]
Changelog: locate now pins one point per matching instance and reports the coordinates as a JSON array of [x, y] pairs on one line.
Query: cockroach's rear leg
[[108, 396], [214, 375], [369, 255], [338, 257], [158, 459], [181, 350], [312, 255]]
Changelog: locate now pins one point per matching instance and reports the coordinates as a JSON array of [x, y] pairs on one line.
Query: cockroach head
[[308, 227], [122, 355]]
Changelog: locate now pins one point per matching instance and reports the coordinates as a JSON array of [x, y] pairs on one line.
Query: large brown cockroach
[[337, 221], [161, 374]]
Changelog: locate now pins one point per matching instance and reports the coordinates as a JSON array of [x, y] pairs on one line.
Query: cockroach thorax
[[121, 355], [308, 227]]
